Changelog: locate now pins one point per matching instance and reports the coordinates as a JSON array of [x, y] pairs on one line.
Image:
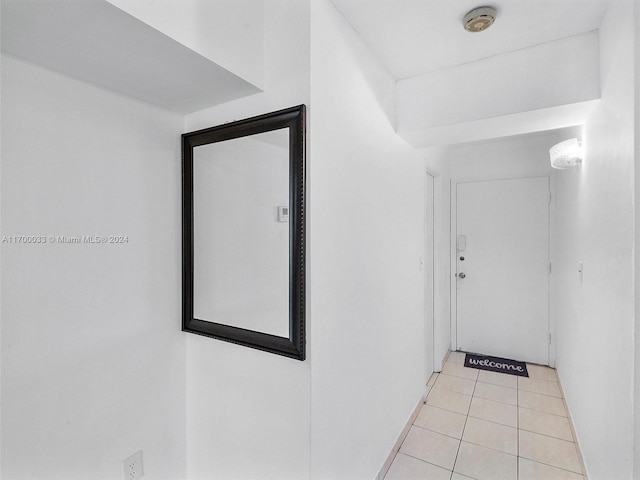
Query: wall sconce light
[[566, 154]]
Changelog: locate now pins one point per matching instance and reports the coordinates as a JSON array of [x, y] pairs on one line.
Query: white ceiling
[[411, 37]]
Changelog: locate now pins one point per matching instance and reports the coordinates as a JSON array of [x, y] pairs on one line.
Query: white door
[[503, 268], [428, 266]]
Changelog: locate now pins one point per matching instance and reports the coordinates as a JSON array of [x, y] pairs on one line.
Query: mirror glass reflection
[[241, 232]]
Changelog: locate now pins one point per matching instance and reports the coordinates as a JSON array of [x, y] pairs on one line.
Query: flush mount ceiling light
[[479, 19], [566, 154]]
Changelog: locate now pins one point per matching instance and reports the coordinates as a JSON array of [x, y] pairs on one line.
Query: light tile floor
[[490, 426]]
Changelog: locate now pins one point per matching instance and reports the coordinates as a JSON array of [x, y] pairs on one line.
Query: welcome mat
[[496, 364]]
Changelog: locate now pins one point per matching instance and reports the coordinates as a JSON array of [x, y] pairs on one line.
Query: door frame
[[453, 253], [430, 347]]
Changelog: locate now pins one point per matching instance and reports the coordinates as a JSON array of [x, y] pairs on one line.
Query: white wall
[[248, 411], [93, 362], [1, 209], [367, 228], [595, 351], [636, 462], [286, 74], [511, 157]]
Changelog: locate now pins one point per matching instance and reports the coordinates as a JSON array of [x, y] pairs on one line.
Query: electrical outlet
[[132, 467]]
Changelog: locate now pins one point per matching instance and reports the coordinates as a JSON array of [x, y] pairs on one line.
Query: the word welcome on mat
[[495, 364]]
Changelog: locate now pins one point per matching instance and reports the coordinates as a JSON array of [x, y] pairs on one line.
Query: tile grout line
[[421, 459], [494, 449], [455, 460], [435, 431], [518, 429], [545, 435], [538, 393], [465, 421], [491, 421], [542, 434], [542, 411], [554, 466], [470, 442]]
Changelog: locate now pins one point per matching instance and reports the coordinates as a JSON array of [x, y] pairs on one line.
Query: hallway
[[408, 116], [485, 425]]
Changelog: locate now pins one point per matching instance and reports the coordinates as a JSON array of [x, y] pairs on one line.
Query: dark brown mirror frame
[[294, 119]]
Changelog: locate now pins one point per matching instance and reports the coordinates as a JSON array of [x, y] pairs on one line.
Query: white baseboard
[[573, 431], [398, 444]]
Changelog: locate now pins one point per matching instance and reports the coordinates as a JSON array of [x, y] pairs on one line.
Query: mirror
[[243, 232]]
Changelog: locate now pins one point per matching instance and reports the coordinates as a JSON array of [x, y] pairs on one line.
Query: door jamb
[[430, 349]]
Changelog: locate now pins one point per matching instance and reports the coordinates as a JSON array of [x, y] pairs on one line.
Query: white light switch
[[283, 214], [581, 270]]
